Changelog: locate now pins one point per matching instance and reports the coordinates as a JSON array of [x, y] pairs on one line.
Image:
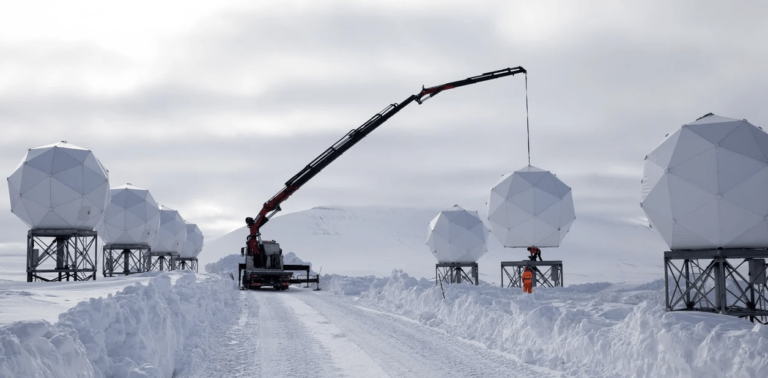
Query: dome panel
[[40, 193], [193, 244], [61, 194], [62, 161], [93, 180], [14, 181], [50, 185], [73, 178], [662, 156], [532, 216], [70, 211], [543, 201], [30, 177], [699, 171], [171, 232], [718, 196], [457, 235], [135, 235], [77, 153], [741, 141], [42, 162], [727, 177], [127, 215], [748, 194], [525, 201], [714, 132], [51, 220], [729, 232], [688, 144]]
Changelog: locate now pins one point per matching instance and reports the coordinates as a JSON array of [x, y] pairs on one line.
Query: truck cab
[[264, 268]]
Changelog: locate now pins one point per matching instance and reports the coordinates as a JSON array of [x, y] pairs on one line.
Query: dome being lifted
[[172, 232], [132, 217], [193, 245], [59, 186], [706, 185], [457, 235], [530, 207]]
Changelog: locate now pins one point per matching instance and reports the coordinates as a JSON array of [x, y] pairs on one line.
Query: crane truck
[[263, 266]]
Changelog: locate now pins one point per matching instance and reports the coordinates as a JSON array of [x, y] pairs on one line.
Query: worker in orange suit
[[535, 253], [528, 281]]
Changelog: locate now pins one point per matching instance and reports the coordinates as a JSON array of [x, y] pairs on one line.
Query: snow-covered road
[[302, 333]]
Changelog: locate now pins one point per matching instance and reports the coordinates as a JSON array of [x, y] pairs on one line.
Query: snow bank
[[151, 330], [227, 264], [591, 330]]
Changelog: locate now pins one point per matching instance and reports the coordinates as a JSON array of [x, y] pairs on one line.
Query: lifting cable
[[527, 123]]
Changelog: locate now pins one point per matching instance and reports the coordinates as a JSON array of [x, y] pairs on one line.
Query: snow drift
[[152, 330], [590, 330]]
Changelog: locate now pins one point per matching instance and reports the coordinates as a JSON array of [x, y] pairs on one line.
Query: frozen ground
[[589, 330], [395, 326], [302, 333], [199, 325]]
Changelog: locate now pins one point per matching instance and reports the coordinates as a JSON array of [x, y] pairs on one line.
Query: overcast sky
[[213, 105]]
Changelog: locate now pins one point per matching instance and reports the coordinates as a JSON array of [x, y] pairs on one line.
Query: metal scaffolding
[[455, 273], [545, 273], [182, 263], [124, 259], [61, 254], [160, 261], [726, 281]]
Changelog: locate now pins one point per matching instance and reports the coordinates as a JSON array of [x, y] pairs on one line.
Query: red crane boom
[[272, 206]]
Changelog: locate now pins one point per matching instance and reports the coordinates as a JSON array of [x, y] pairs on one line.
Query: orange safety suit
[[528, 281]]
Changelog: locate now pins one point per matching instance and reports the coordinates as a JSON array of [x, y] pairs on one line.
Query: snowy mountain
[[376, 240]]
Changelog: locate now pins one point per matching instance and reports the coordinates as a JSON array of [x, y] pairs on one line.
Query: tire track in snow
[[346, 356], [233, 355], [405, 348], [287, 348]]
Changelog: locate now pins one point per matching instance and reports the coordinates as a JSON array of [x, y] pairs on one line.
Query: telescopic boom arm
[[272, 206]]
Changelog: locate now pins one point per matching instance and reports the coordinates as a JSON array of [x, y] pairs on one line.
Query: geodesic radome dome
[[59, 186], [132, 217], [193, 245], [706, 185], [172, 232], [457, 235], [530, 207]]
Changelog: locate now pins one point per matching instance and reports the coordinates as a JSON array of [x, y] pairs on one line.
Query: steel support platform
[[456, 273], [545, 273], [160, 261], [61, 255], [297, 278], [124, 259], [185, 263], [724, 281]]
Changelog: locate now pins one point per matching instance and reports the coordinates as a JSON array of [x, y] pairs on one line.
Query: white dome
[[706, 185], [530, 207], [59, 186], [172, 232], [132, 217], [193, 245], [457, 235]]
